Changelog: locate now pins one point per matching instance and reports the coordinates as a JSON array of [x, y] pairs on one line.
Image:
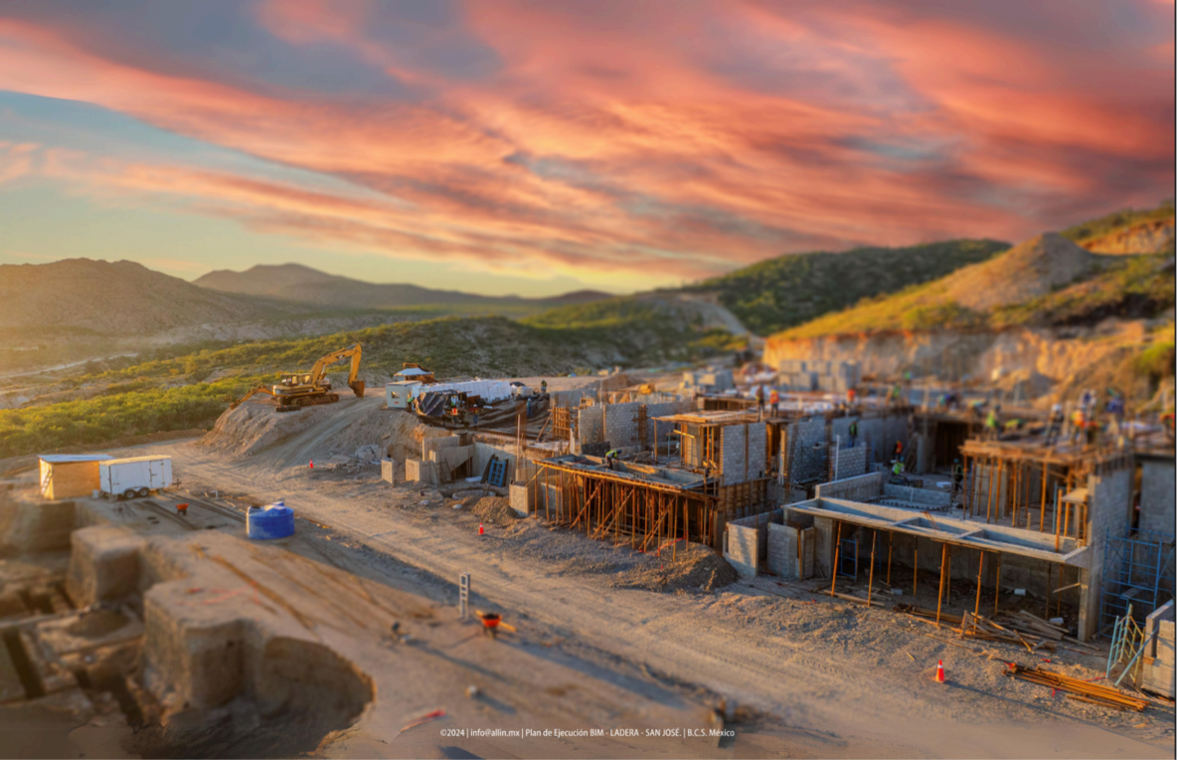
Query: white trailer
[[130, 477]]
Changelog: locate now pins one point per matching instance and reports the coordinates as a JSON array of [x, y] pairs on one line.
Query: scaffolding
[[1139, 574]]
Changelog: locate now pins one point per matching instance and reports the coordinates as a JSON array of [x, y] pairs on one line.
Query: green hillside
[[105, 402], [790, 290], [1129, 286]]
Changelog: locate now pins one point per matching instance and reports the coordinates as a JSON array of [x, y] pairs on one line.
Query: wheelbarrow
[[182, 509], [491, 621]]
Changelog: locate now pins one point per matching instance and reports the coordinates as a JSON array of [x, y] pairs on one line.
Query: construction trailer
[[138, 476], [70, 476]]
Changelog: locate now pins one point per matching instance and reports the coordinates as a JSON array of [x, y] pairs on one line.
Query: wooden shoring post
[[978, 586], [1059, 498], [1015, 474], [835, 556], [998, 572], [1043, 493], [888, 578], [871, 569], [586, 505], [991, 485], [941, 582]]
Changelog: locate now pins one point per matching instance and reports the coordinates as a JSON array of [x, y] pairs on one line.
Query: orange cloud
[[688, 139]]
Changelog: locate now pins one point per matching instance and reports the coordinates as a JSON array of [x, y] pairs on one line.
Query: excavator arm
[[353, 352], [263, 390]]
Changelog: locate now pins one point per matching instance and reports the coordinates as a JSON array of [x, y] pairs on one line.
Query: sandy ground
[[830, 679]]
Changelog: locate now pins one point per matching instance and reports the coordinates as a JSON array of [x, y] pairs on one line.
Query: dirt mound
[[1031, 269], [698, 567], [495, 510], [251, 428], [351, 428]]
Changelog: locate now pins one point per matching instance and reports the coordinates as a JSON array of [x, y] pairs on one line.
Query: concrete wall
[[863, 488], [1158, 660], [1157, 502], [791, 551], [1109, 500], [850, 462], [743, 453], [589, 425], [804, 462], [931, 498], [621, 425], [431, 444], [741, 549]]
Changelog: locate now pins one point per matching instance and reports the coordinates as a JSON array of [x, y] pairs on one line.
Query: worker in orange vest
[[774, 402]]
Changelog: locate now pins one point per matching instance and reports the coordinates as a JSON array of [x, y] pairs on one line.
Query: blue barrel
[[273, 521]]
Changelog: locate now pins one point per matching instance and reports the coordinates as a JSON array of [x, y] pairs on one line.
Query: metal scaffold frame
[[1139, 574]]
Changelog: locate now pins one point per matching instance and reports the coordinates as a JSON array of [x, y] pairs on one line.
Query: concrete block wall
[[589, 425], [387, 466], [791, 551], [483, 451], [520, 498], [417, 470], [1158, 673], [1157, 501], [449, 460], [741, 549], [850, 462], [862, 488], [805, 463], [743, 448], [621, 425], [1109, 503]]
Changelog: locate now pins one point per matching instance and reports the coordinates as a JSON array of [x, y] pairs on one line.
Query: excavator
[[297, 390]]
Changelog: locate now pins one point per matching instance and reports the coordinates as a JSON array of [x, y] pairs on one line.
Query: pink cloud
[[636, 138]]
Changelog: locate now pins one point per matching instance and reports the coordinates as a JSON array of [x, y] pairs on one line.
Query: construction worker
[[610, 456], [956, 474], [544, 387], [853, 429], [761, 400], [895, 394], [774, 402], [993, 424], [1078, 425], [897, 468], [851, 396], [897, 450], [1055, 422]]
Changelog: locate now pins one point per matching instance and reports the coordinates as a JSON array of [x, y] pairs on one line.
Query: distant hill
[[792, 289], [1047, 280], [112, 297], [301, 284]]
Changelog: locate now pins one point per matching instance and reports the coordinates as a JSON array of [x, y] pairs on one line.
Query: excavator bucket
[[358, 387]]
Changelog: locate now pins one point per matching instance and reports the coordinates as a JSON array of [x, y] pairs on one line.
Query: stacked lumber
[[979, 627], [1083, 691]]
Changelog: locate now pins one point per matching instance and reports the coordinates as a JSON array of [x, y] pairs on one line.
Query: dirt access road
[[844, 681]]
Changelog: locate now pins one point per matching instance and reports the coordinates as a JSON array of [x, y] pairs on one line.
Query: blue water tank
[[273, 521]]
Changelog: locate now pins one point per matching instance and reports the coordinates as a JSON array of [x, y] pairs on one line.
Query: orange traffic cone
[[941, 673], [480, 528]]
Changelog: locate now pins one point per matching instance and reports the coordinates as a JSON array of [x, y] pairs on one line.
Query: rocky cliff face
[[1137, 239], [1041, 358]]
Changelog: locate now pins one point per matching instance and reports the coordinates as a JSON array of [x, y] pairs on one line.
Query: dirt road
[[825, 669]]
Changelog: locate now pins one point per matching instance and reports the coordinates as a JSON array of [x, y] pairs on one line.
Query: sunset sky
[[540, 147]]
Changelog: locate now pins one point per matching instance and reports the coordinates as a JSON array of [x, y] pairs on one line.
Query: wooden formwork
[[646, 515], [1035, 487]]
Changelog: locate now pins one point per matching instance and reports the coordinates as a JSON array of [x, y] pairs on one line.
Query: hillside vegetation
[[191, 390], [1115, 221], [790, 290], [1139, 286]]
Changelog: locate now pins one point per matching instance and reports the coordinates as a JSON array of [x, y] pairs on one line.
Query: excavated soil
[[697, 568], [1028, 270], [495, 510]]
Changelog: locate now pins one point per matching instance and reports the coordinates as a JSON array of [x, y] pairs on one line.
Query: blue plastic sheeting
[[273, 521]]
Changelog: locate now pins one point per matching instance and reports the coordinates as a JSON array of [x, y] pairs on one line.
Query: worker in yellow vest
[[774, 403]]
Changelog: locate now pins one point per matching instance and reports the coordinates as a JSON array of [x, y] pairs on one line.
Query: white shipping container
[[129, 477]]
